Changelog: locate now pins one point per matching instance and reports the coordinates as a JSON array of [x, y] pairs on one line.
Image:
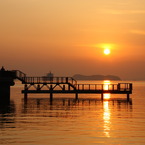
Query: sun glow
[[106, 51], [106, 47]]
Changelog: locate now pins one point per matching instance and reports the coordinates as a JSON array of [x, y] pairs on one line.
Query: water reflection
[[107, 96], [35, 109], [7, 113], [39, 104], [106, 118]]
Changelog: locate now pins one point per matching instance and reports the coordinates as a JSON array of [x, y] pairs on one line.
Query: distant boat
[[49, 77]]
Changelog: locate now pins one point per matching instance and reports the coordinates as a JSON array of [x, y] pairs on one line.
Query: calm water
[[68, 122]]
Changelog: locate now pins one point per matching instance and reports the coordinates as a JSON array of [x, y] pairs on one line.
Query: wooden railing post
[[130, 87], [25, 94], [83, 87], [118, 87]]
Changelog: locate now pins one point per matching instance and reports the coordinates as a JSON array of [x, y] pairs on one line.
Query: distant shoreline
[[96, 77]]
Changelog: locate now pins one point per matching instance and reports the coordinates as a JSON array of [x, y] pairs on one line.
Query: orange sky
[[67, 37]]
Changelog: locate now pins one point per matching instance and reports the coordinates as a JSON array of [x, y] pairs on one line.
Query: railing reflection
[[33, 104]]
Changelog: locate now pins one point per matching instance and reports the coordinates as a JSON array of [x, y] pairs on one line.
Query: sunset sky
[[69, 36]]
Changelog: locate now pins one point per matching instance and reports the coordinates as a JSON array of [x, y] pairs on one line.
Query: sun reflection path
[[106, 87], [106, 118]]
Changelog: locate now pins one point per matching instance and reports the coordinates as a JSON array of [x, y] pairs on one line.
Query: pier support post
[[51, 94], [76, 96], [4, 94], [25, 96], [6, 80], [102, 97], [51, 97], [128, 97], [25, 93]]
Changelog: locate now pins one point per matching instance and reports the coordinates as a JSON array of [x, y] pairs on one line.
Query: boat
[[48, 77]]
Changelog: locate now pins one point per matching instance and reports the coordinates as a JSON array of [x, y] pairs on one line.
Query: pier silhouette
[[56, 85]]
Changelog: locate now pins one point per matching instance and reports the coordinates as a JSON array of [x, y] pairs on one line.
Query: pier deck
[[68, 85], [54, 85]]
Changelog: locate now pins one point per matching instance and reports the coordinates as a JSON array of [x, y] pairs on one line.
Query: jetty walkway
[[55, 85]]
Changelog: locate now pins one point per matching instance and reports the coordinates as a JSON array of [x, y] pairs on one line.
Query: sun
[[106, 48], [107, 51]]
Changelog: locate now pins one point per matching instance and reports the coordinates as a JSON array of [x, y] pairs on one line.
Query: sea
[[66, 121]]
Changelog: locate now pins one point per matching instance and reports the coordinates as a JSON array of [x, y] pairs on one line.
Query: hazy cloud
[[139, 32], [121, 12]]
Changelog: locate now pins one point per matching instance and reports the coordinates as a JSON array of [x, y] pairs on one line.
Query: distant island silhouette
[[95, 77]]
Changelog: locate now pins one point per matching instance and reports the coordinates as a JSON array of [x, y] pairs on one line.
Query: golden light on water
[[106, 118], [106, 113], [106, 96]]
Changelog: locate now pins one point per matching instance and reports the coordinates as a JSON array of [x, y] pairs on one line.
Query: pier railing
[[105, 87], [19, 75], [41, 80], [72, 82], [50, 80]]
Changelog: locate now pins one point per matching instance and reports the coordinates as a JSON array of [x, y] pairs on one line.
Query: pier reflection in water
[[64, 120], [66, 103], [7, 115]]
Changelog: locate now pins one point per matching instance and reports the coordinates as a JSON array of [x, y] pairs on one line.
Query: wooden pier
[[67, 85]]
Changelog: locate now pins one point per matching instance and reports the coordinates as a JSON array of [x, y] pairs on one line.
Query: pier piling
[[76, 96], [6, 80], [128, 97], [51, 97]]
